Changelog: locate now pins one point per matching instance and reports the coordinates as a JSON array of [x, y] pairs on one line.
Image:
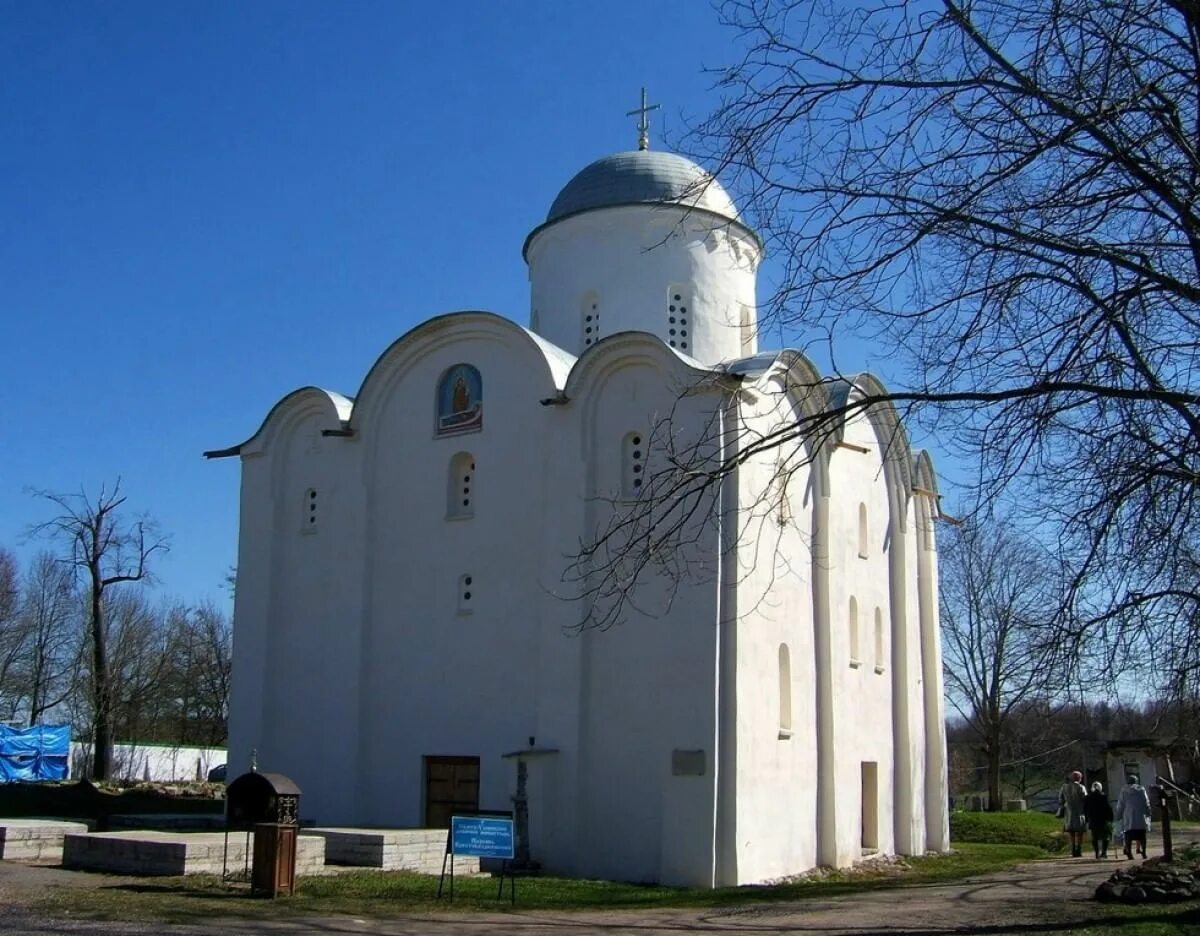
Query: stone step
[[153, 852], [36, 840], [420, 850]]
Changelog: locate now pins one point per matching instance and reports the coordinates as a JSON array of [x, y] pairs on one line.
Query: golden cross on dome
[[643, 123]]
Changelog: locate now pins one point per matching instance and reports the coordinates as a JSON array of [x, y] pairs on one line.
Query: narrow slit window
[[863, 543], [460, 487], [746, 328], [466, 593], [633, 464], [878, 640], [589, 319], [785, 692], [679, 318], [310, 511], [855, 655], [783, 512]]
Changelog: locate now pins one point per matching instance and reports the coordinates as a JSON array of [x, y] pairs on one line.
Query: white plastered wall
[[626, 259], [291, 609], [776, 764], [648, 683], [862, 693], [937, 810], [439, 680], [917, 698]]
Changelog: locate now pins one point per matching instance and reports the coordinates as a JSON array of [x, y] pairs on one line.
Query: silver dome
[[642, 177]]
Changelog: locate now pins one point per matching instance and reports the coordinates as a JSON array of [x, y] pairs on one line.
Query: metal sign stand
[[506, 866], [449, 854], [506, 869]]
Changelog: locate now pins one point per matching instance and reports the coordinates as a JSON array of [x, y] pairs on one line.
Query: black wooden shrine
[[268, 804], [261, 797]]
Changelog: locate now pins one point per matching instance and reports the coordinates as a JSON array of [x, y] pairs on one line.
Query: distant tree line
[[1028, 707], [1045, 738], [83, 641]]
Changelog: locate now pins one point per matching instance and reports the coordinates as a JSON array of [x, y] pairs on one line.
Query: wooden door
[[451, 787]]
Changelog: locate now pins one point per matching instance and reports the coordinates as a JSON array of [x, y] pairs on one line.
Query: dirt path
[[1037, 898]]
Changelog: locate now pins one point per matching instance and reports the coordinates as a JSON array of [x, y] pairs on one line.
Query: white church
[[407, 625]]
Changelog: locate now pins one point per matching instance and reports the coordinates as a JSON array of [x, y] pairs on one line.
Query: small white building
[[402, 620]]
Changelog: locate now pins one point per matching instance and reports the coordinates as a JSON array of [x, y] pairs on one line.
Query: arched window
[[785, 692], [878, 640], [863, 542], [855, 657], [745, 329], [459, 401], [783, 512], [308, 521], [633, 464], [679, 316], [589, 319], [460, 487]]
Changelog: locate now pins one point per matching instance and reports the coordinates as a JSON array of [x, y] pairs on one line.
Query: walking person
[[1071, 799], [1099, 813], [1133, 809]]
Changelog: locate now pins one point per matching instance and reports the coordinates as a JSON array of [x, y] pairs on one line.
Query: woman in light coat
[[1133, 812], [1071, 799]]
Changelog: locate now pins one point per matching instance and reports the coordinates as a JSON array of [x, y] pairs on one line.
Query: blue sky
[[205, 205]]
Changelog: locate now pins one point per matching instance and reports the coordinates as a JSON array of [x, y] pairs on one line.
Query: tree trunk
[[101, 695], [993, 772]]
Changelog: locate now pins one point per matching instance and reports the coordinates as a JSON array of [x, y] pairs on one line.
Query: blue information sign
[[481, 836]]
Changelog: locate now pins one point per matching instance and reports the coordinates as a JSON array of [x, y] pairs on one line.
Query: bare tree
[[1006, 191], [999, 599], [13, 637], [106, 551], [140, 667], [50, 612], [193, 699]]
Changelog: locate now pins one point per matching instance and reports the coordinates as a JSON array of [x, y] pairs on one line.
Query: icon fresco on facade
[[459, 401]]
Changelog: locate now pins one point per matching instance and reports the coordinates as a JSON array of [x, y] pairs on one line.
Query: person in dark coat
[[1099, 813]]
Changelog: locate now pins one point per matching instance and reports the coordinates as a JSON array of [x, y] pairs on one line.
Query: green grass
[[1040, 830], [983, 843], [381, 894]]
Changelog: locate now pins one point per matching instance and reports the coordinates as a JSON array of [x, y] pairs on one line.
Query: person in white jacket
[[1133, 812]]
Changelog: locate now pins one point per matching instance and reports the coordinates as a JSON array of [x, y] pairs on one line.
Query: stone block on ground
[[153, 853], [36, 840], [420, 850]]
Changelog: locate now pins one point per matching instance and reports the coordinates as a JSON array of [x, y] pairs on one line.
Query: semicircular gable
[[929, 500], [887, 427], [923, 474], [334, 407], [586, 386], [451, 327], [792, 373], [621, 349]]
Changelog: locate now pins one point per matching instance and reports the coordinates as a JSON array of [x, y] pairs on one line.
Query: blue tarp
[[37, 753]]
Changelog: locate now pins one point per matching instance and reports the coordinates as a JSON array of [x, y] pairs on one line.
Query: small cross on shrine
[[643, 123]]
